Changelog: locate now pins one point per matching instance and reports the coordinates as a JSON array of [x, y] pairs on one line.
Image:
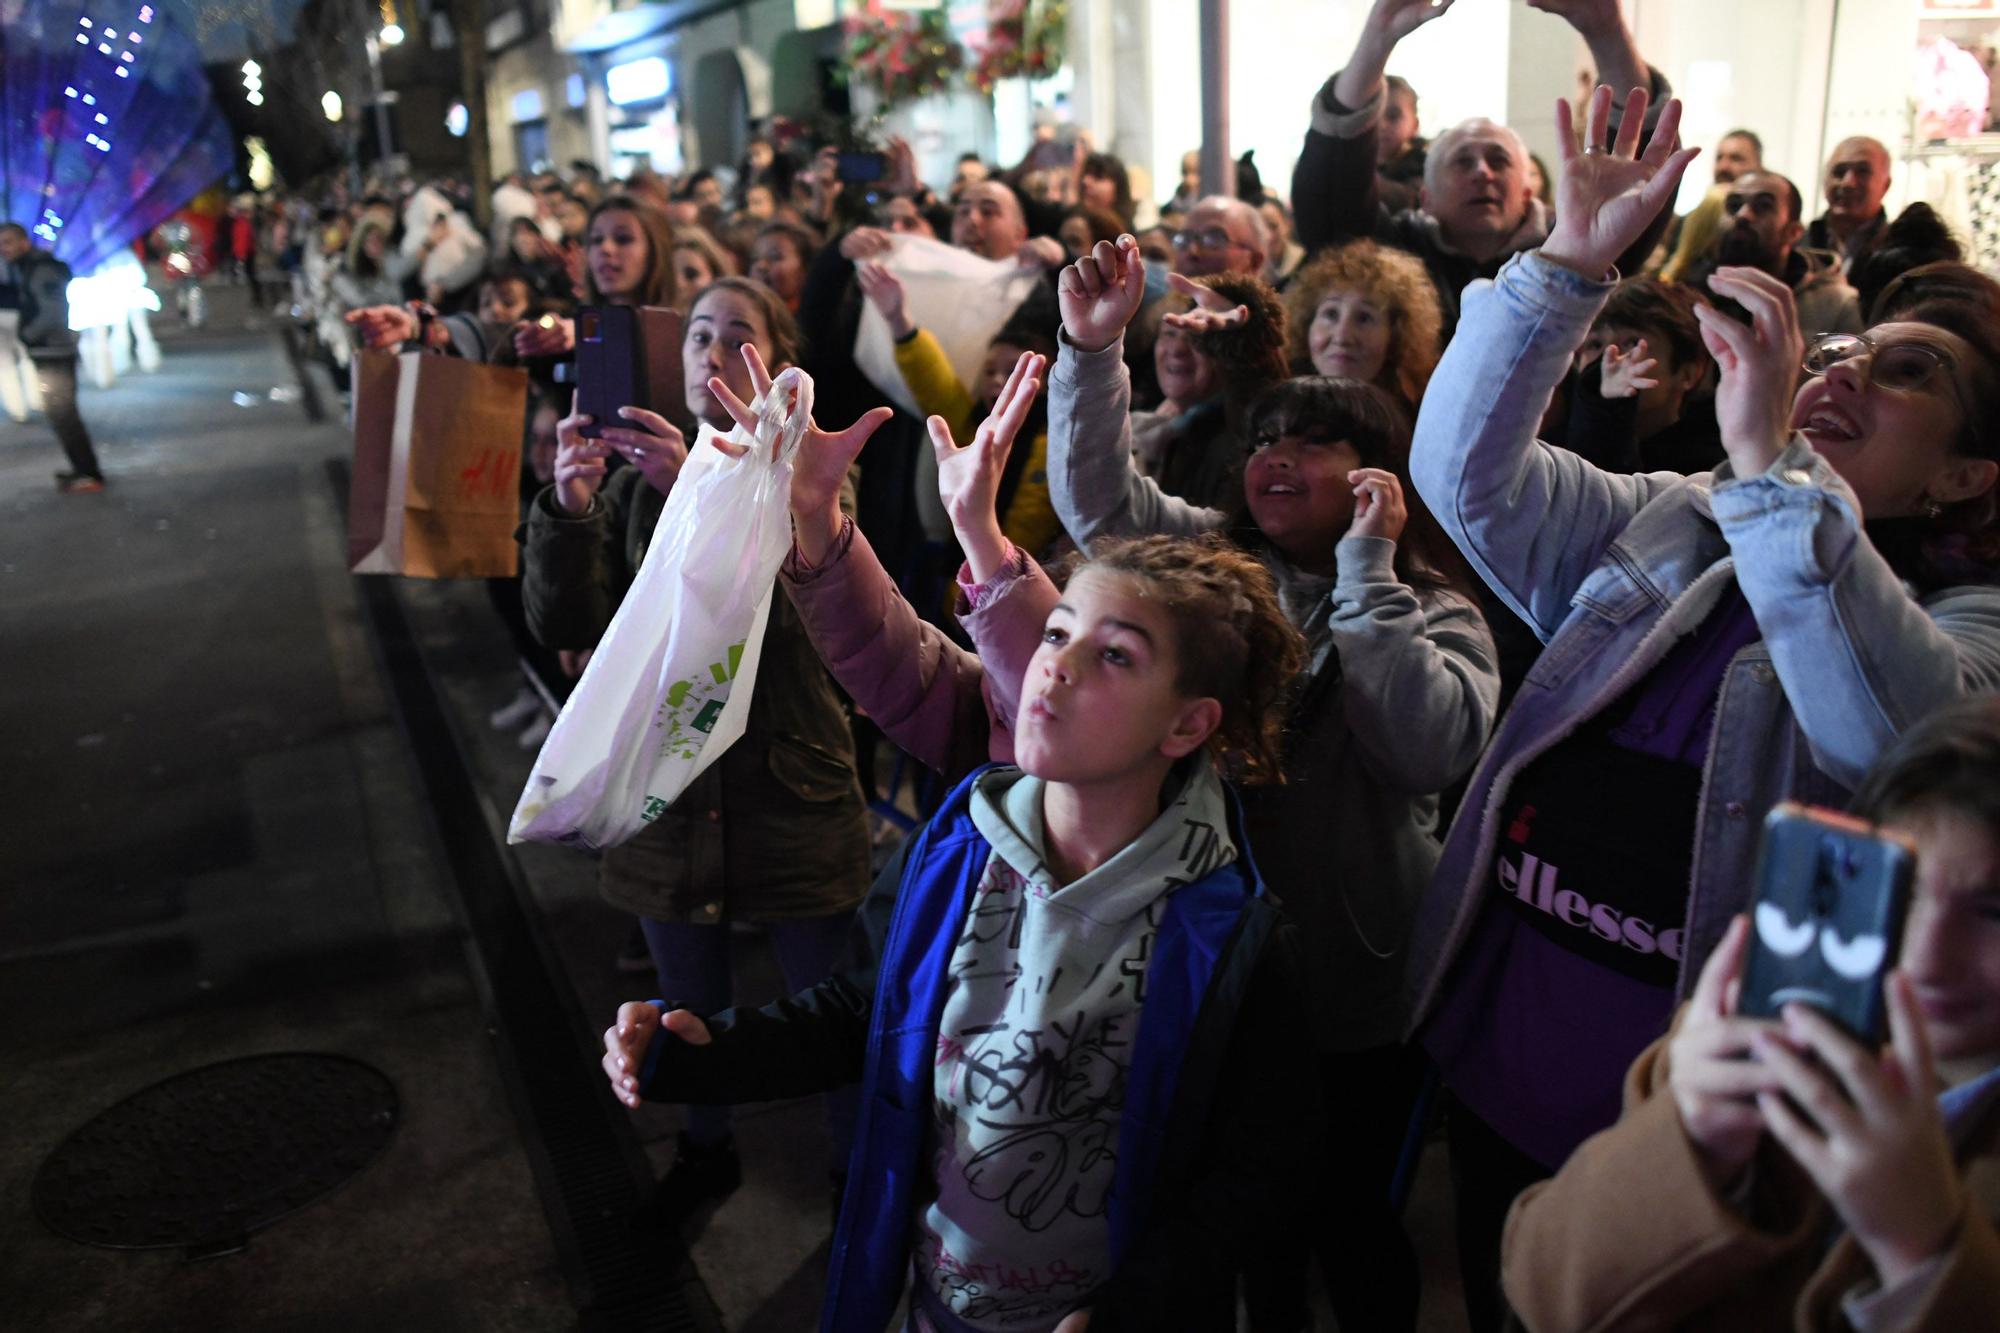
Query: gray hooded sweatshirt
[[1034, 1045]]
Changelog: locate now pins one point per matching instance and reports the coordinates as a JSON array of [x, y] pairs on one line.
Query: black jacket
[[1337, 196], [44, 294]]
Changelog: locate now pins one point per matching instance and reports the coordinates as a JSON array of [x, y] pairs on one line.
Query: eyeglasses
[[1209, 238], [1902, 367]]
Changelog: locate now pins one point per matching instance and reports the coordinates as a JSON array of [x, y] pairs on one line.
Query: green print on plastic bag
[[689, 713]]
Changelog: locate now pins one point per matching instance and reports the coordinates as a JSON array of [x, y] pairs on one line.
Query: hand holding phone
[[1713, 1080], [610, 365], [861, 168], [1832, 892]]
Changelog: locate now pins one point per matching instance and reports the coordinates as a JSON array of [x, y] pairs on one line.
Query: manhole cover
[[206, 1157]]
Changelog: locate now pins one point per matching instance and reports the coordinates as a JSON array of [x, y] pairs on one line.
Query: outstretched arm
[[1091, 479], [1534, 521]]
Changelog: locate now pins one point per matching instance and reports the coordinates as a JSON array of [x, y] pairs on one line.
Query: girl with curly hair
[[1071, 973], [1394, 705]]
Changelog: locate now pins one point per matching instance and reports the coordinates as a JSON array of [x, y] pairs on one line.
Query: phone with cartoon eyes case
[[1832, 891]]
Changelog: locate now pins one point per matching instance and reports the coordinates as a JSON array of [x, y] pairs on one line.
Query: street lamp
[[253, 83], [392, 31], [330, 104]]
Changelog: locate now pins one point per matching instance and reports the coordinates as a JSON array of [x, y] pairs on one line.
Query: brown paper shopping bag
[[437, 466]]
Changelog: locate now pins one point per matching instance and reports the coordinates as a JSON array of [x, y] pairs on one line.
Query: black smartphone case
[[610, 365], [1828, 919]]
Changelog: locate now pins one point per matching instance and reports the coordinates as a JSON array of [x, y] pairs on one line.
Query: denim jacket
[[1610, 569]]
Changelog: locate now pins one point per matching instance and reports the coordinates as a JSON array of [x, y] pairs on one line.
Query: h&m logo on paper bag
[[689, 713]]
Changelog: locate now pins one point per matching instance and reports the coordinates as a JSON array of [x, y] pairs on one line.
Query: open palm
[[824, 457], [969, 478], [1610, 193]]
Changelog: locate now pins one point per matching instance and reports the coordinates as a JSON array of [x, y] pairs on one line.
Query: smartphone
[[610, 364], [861, 168], [1832, 892]]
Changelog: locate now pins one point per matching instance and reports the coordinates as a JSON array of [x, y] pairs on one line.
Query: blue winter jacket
[[1216, 1124], [1610, 569]]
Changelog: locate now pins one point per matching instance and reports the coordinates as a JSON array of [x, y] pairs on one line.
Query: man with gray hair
[[1857, 179], [1221, 235], [1476, 207]]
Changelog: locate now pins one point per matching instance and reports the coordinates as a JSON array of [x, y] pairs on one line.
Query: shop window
[[531, 145]]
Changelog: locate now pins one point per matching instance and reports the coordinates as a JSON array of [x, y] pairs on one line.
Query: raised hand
[[656, 448], [1714, 1083], [1757, 366], [819, 467], [1866, 1127], [1213, 312], [581, 462], [884, 291], [1602, 26], [1388, 22], [865, 243], [1609, 193], [1101, 292], [1379, 507], [627, 1040], [1393, 20], [1623, 374], [382, 327], [969, 478]]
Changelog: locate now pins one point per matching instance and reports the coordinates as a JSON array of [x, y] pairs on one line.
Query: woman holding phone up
[[1714, 644], [775, 831]]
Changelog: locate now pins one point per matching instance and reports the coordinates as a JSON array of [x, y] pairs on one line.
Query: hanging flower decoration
[[1024, 39], [901, 55]]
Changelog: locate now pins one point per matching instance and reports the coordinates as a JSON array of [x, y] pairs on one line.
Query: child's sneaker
[[79, 483]]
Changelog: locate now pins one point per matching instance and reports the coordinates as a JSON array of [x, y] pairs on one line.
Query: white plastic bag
[[669, 687], [962, 300]]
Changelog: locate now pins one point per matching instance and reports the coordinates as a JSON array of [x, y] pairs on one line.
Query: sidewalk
[[213, 849]]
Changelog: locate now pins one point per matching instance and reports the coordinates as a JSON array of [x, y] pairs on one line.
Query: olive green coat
[[775, 830]]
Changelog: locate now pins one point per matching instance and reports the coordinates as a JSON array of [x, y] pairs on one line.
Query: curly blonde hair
[[1399, 284], [1232, 641]]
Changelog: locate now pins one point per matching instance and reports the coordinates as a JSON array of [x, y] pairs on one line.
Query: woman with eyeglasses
[[1713, 644]]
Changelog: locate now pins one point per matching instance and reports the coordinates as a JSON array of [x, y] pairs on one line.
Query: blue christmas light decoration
[[107, 124]]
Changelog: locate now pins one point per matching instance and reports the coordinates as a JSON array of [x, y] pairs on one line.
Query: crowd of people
[[1357, 646]]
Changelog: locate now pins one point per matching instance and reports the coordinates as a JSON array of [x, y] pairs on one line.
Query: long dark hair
[[1371, 420], [656, 285], [1961, 545], [1107, 167]]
